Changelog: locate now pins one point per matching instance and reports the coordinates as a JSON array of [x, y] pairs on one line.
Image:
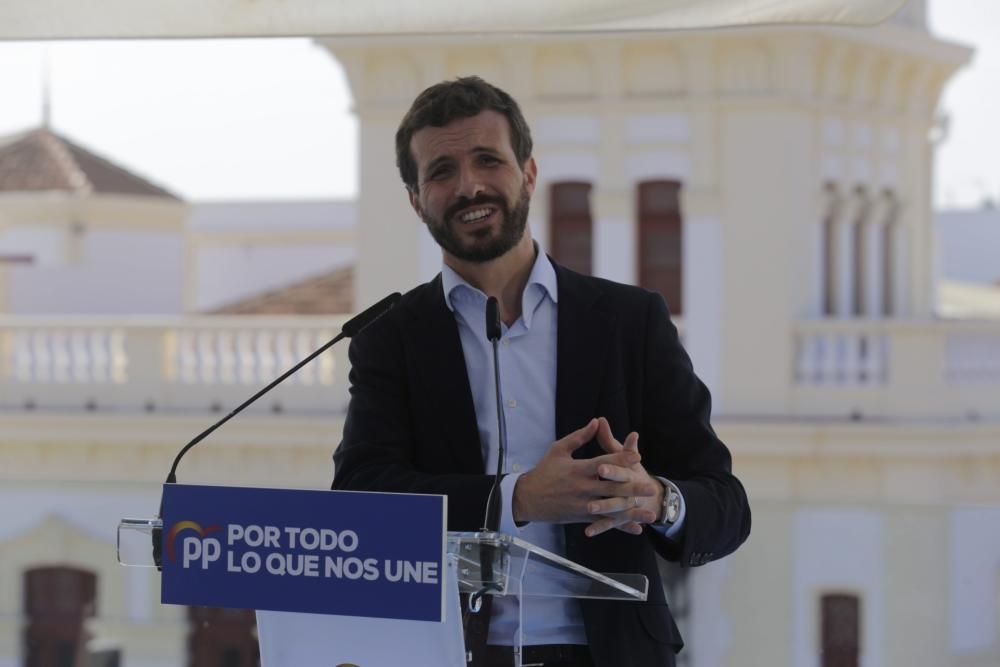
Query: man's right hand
[[560, 488]]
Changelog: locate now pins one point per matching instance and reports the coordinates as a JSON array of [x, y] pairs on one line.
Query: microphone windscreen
[[493, 329], [353, 326]]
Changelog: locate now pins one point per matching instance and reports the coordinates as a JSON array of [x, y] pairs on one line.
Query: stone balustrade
[[844, 367], [168, 364], [895, 368]]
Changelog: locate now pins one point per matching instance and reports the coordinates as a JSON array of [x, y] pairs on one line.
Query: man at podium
[[611, 458]]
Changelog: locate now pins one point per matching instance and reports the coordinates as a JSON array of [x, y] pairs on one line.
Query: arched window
[[845, 273], [840, 627], [859, 250], [222, 638], [571, 228], [829, 254], [660, 240], [888, 258], [57, 600]]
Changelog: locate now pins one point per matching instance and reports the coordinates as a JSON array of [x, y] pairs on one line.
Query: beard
[[484, 247]]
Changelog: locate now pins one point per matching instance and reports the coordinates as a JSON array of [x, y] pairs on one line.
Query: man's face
[[472, 194]]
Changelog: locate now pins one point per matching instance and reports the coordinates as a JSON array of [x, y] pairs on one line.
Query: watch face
[[673, 507]]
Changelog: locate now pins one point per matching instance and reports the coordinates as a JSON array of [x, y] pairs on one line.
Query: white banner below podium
[[317, 640]]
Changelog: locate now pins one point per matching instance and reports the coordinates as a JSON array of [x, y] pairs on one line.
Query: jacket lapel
[[584, 336], [440, 363]]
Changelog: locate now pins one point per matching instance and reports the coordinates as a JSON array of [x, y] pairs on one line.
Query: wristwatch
[[670, 510]]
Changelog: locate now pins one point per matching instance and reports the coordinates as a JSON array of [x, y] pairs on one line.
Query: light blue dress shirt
[[528, 384]]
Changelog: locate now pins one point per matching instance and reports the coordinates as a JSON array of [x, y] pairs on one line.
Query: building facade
[[773, 183]]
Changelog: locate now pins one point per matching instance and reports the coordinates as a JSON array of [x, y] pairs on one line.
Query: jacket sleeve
[[677, 442], [384, 447]]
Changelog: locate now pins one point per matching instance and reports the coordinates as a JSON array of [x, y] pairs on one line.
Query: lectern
[[364, 604]]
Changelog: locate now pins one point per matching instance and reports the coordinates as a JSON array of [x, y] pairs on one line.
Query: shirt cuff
[[507, 524], [675, 528]]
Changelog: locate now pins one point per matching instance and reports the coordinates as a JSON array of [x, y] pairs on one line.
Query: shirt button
[[512, 403], [505, 341], [516, 467]]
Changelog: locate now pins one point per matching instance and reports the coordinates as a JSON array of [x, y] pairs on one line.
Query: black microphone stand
[[491, 521], [491, 518]]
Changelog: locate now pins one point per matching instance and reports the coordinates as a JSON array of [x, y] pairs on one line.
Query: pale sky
[[210, 119], [270, 118]]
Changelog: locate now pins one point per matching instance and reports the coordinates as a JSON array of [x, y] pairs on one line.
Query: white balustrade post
[[830, 358], [853, 364], [916, 370], [142, 382]]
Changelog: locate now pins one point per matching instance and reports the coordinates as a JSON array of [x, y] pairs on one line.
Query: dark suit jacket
[[411, 427]]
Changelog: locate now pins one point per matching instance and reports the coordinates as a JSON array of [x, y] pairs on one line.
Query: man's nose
[[469, 184]]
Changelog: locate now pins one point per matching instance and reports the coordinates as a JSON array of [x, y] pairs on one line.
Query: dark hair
[[444, 102]]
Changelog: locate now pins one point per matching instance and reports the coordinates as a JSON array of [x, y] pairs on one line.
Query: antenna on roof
[[46, 90]]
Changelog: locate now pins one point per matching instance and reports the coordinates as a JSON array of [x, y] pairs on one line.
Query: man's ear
[[530, 174], [414, 201]]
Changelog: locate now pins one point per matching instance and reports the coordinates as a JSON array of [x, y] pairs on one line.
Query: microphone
[[351, 328], [359, 322], [493, 328], [493, 332]]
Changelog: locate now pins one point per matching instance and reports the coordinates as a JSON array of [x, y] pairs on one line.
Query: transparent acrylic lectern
[[484, 563], [500, 564]]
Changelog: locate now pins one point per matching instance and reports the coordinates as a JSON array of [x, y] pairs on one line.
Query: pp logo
[[194, 548]]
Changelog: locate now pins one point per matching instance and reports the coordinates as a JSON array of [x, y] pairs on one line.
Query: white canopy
[[71, 19]]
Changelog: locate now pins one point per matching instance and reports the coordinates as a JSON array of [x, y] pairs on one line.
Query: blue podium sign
[[378, 555]]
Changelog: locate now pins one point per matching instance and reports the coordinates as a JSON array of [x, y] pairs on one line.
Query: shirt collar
[[542, 274]]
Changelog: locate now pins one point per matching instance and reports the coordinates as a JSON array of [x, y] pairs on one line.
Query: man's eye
[[488, 159], [440, 173]]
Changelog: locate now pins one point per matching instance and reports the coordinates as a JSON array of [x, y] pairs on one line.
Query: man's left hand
[[626, 513]]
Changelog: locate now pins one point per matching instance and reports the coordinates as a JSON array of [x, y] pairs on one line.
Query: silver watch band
[[670, 494]]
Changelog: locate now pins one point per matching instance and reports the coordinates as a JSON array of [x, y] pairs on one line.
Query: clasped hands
[[611, 491]]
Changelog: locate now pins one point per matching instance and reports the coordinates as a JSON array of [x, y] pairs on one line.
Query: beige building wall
[[755, 124], [64, 488], [879, 510], [95, 254], [849, 430]]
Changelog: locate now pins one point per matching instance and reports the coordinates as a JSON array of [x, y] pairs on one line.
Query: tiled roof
[[331, 293], [41, 160]]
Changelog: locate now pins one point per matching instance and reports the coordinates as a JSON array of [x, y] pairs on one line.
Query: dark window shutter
[[660, 238], [56, 602], [571, 226], [841, 630], [222, 637]]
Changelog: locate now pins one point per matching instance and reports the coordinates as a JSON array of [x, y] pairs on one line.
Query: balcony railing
[[171, 364], [938, 368], [887, 368]]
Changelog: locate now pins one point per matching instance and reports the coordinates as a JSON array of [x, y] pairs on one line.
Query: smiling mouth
[[476, 214]]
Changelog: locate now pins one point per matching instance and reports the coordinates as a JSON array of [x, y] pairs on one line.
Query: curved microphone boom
[[351, 328]]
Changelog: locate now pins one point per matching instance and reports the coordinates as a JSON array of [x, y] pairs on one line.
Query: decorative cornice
[[253, 450], [888, 70]]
